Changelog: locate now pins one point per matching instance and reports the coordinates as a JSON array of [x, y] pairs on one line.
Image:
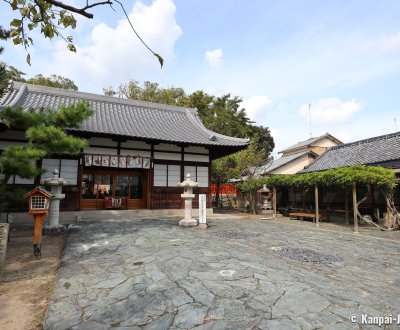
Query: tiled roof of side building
[[310, 142], [277, 163], [373, 151], [123, 117]]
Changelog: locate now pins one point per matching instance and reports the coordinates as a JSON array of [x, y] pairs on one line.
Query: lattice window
[[38, 202]]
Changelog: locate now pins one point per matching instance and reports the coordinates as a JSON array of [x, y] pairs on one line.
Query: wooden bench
[[302, 215]]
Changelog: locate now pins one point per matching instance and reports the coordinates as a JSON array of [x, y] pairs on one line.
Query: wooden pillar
[[355, 209], [316, 207], [274, 199], [346, 205], [303, 193]]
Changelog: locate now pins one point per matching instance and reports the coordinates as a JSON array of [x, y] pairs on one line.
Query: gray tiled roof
[[373, 151], [276, 163], [123, 117], [310, 142]]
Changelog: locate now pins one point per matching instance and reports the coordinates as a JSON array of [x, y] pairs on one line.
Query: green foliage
[[44, 130], [52, 18], [250, 186], [19, 119], [42, 15], [52, 81], [65, 117], [20, 160], [71, 116], [53, 140], [222, 114], [380, 177]]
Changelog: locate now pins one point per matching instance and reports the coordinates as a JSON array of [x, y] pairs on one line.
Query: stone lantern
[[188, 196], [56, 184]]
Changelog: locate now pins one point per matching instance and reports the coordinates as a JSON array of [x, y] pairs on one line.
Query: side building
[[138, 151], [299, 155], [383, 151]]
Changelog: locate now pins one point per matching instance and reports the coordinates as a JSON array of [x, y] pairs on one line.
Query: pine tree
[[45, 131]]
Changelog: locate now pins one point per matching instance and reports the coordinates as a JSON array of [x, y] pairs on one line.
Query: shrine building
[[137, 151]]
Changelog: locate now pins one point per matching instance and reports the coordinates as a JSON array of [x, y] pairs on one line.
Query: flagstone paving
[[153, 274]]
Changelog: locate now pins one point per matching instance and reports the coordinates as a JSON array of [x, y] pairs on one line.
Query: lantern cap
[[40, 190]]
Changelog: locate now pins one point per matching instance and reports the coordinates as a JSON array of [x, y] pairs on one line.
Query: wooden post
[[274, 199], [316, 207], [346, 205], [355, 209], [303, 193]]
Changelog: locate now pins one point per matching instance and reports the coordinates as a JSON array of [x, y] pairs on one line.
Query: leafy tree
[[151, 92], [360, 175], [223, 169], [222, 114], [3, 68], [52, 81], [52, 17], [45, 131]]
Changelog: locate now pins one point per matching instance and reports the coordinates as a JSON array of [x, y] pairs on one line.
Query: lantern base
[[36, 250], [203, 225], [188, 222]]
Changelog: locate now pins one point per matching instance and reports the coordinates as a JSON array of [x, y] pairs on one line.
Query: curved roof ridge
[[309, 142], [368, 140], [101, 98], [196, 120], [16, 98]]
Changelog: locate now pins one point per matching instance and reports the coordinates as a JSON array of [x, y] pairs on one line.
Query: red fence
[[225, 189]]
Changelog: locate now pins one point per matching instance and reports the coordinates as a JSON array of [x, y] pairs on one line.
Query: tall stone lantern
[[56, 184], [188, 196]]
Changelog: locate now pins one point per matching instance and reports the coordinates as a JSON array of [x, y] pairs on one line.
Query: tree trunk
[[217, 192], [393, 217]]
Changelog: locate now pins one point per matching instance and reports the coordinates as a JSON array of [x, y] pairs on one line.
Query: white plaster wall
[[19, 180], [174, 175], [167, 147], [100, 151], [140, 153], [166, 155], [198, 150], [293, 167], [135, 144], [191, 170], [102, 142], [69, 171], [160, 175], [5, 144], [196, 158], [202, 176], [11, 134]]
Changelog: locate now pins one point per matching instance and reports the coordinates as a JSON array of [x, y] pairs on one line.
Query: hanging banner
[[114, 161], [96, 160], [117, 161], [88, 160]]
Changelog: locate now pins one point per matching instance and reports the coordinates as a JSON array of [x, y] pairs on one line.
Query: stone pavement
[[153, 274]]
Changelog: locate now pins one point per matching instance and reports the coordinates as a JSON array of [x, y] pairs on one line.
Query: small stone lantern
[[56, 184], [188, 196], [39, 200]]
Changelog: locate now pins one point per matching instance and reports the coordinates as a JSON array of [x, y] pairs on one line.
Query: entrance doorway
[[100, 186]]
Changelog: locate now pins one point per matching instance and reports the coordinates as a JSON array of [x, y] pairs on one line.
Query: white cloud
[[113, 55], [390, 43], [256, 107], [214, 58], [330, 111]]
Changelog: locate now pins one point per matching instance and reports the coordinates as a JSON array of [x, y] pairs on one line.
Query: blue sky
[[342, 57]]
